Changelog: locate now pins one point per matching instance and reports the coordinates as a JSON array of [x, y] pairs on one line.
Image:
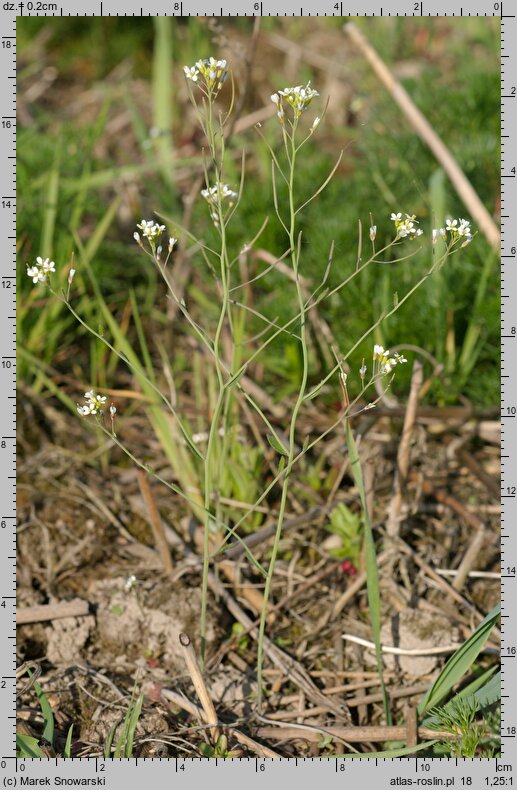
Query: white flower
[[406, 227], [71, 275], [47, 266], [298, 98], [136, 237], [172, 242], [113, 410], [362, 371], [315, 124], [385, 362], [94, 404], [130, 583], [150, 230], [209, 74], [464, 228], [215, 196], [373, 232], [434, 235], [458, 228], [35, 274], [39, 271], [443, 233], [218, 193], [191, 73]]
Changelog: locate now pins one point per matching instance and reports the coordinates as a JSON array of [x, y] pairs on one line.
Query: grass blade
[[162, 94], [46, 710], [67, 752], [51, 205], [27, 746], [134, 715], [459, 663], [109, 741]]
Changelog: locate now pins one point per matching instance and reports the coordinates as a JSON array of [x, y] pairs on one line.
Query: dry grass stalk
[[155, 521], [462, 185], [194, 710], [395, 508], [199, 684], [469, 559]]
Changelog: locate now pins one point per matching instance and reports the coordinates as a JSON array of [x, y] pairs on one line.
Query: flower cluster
[[383, 362], [150, 230], [459, 229], [215, 197], [298, 98], [40, 270], [94, 404], [209, 74], [406, 227]]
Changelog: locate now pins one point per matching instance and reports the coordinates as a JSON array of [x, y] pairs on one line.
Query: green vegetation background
[[82, 181]]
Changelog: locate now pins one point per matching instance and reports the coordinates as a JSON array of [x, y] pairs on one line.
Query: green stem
[[294, 416], [214, 423]]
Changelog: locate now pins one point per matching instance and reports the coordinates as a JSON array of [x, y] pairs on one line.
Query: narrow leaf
[[459, 663], [276, 444]]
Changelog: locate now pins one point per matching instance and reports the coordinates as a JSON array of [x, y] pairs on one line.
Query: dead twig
[[52, 611], [353, 734], [411, 726], [491, 485]]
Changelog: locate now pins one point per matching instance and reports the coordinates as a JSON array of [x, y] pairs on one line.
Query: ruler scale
[[232, 773]]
